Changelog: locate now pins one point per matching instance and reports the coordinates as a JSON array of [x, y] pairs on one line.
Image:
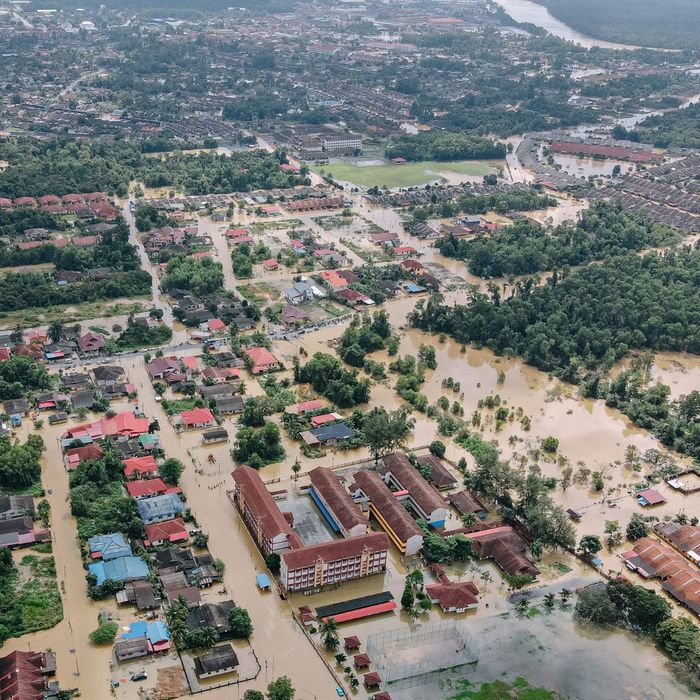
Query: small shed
[[650, 497]]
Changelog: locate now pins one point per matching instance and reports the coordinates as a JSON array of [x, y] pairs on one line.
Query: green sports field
[[406, 175]]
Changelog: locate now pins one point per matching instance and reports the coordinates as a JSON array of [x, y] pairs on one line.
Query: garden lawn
[[408, 174]]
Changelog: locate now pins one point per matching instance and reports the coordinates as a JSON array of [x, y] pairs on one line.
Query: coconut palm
[[536, 549], [414, 613], [549, 599], [354, 682], [341, 658], [564, 595], [469, 519], [522, 605], [329, 634]]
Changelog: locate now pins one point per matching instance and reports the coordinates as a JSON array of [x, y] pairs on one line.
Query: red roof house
[[197, 418], [145, 488], [91, 343], [140, 467], [124, 424], [169, 531], [262, 360]]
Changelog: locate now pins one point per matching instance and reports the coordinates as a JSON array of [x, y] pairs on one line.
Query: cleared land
[[408, 174]]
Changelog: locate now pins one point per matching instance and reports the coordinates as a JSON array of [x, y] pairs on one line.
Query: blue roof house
[[107, 547], [124, 569], [160, 508]]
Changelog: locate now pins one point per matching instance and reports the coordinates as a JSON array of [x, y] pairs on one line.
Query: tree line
[[445, 145], [583, 320], [526, 247]]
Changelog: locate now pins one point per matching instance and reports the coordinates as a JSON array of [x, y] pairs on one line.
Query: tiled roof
[[386, 503], [426, 496], [344, 509], [456, 594], [260, 502], [335, 550]]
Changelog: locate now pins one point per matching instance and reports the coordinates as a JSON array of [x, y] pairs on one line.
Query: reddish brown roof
[[440, 476], [372, 679], [260, 502], [361, 660], [21, 676], [466, 502], [351, 643], [385, 502], [335, 550], [504, 546], [328, 486], [456, 594], [425, 495]]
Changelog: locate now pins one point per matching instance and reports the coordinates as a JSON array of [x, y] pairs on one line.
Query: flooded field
[[553, 651], [585, 167]]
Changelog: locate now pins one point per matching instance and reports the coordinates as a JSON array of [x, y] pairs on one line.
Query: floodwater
[[553, 651], [534, 13], [583, 167]]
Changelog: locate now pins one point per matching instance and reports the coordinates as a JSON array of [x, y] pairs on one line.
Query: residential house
[[16, 507], [330, 434], [121, 569], [91, 344], [195, 419], [107, 375], [147, 488], [166, 532], [24, 675], [218, 661], [140, 468], [108, 547], [215, 435], [17, 407], [291, 316], [299, 293], [229, 405], [20, 532], [159, 367], [212, 615], [262, 360], [160, 508]]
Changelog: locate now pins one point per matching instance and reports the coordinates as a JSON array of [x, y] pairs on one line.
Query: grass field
[[408, 174]]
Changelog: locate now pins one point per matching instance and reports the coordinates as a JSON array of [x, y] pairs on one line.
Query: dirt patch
[[171, 683]]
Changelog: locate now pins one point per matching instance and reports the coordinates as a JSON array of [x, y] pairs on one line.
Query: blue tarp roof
[[121, 569], [263, 581], [154, 631]]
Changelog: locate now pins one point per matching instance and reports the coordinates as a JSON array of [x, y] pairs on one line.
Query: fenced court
[[406, 657]]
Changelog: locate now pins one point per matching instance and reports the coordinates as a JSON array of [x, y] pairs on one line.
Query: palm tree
[[207, 637], [522, 605], [341, 658], [536, 549], [354, 682], [549, 601], [296, 468], [469, 519], [329, 634], [486, 577], [414, 613], [564, 595]]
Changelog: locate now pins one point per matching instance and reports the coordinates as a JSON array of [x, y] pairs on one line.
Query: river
[[534, 13]]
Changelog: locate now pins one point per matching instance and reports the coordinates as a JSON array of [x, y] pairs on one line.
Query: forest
[[671, 24], [526, 247], [677, 129], [24, 291], [65, 166], [444, 145], [583, 320]]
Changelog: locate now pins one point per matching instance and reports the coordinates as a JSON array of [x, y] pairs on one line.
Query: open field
[[408, 174]]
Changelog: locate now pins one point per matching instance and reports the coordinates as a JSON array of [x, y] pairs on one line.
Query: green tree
[[296, 468], [550, 444], [55, 331], [594, 605], [589, 545], [253, 695], [105, 633], [637, 527], [385, 432], [280, 689], [241, 625], [171, 470], [437, 448], [407, 598]]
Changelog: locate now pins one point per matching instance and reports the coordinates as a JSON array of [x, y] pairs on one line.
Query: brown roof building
[[423, 497], [391, 515], [334, 562], [336, 504], [466, 502], [440, 477], [264, 519], [23, 675]]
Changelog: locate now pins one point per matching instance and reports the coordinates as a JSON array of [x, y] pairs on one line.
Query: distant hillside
[[669, 24]]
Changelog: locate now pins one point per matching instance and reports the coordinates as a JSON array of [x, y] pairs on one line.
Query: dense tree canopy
[[526, 247], [328, 377], [201, 276], [444, 145], [589, 318]]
